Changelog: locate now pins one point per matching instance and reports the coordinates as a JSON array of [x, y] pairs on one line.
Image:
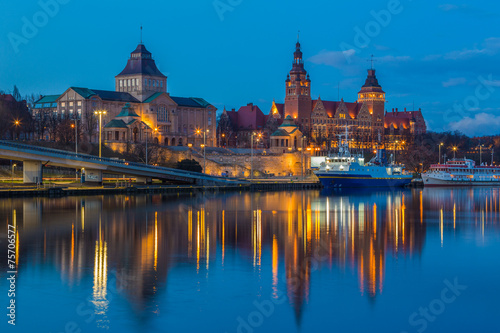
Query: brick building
[[322, 120]]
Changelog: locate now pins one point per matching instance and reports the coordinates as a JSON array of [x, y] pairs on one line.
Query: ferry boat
[[461, 173], [347, 170]]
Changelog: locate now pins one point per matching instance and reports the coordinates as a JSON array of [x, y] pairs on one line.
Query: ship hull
[[433, 182], [330, 180]]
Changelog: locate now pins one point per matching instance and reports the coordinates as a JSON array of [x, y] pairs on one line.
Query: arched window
[[156, 141], [173, 142], [135, 131], [166, 141], [180, 142]]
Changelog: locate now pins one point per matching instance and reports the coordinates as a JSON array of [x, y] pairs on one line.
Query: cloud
[[448, 7], [454, 82], [345, 60], [381, 47], [393, 59], [490, 47], [492, 83], [480, 124], [337, 59]]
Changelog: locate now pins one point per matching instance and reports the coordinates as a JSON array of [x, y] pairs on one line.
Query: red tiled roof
[[249, 117], [8, 98], [401, 118], [281, 110], [331, 108]]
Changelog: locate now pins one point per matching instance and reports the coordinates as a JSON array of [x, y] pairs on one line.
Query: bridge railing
[[108, 161]]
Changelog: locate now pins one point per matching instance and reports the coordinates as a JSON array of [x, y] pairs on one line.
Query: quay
[[56, 191]]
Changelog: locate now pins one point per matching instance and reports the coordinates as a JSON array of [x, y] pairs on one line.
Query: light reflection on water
[[150, 263]]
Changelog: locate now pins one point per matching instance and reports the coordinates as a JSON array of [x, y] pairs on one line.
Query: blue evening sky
[[440, 56]]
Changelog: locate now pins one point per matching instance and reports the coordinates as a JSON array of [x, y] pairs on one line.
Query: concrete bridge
[[35, 158]]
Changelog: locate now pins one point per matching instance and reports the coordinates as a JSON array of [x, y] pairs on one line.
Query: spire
[[371, 60], [298, 63], [141, 34]]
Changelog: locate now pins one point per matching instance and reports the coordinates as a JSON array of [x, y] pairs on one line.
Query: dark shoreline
[[56, 192]]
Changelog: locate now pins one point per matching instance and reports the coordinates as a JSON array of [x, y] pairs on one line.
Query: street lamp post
[[17, 123], [251, 156], [12, 175], [302, 158], [75, 126], [454, 152], [480, 154], [204, 148], [397, 141], [100, 113], [440, 145], [251, 153]]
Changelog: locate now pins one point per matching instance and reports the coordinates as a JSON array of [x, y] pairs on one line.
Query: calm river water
[[405, 261]]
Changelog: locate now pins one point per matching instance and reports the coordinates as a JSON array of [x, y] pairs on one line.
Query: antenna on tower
[[141, 33], [371, 60], [338, 87], [298, 37]]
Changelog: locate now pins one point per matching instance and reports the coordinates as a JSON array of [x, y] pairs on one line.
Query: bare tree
[[89, 123]]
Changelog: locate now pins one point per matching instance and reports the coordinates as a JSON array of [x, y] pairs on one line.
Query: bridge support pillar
[[144, 180], [93, 176], [32, 172]]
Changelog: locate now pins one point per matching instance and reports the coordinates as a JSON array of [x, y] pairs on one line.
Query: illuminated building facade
[[166, 119], [323, 120]]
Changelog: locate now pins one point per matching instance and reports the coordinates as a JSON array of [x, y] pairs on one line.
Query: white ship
[[461, 173]]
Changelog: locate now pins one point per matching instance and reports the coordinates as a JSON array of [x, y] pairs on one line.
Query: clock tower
[[298, 102]]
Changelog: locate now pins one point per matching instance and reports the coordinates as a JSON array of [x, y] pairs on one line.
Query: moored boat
[[463, 172], [347, 170]]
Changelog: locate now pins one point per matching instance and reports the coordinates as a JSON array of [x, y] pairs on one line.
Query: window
[[121, 83], [210, 120], [63, 104], [145, 82], [71, 103], [161, 84], [79, 103], [137, 82]]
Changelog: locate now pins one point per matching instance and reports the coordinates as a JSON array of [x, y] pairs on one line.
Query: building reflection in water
[[101, 279], [138, 239]]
